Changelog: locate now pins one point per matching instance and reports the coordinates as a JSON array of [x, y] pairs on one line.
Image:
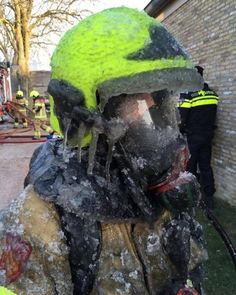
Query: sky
[[40, 60], [139, 4]]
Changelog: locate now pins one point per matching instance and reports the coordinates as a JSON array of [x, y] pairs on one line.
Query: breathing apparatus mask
[[151, 141]]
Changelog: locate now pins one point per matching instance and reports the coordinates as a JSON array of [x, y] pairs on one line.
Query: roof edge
[[154, 7]]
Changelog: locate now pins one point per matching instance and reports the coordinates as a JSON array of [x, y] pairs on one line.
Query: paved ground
[[14, 162]]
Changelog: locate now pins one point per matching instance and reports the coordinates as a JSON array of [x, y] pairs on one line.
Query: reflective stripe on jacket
[[198, 98], [4, 291]]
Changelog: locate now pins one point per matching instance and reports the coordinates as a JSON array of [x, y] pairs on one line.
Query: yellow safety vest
[[199, 98], [4, 291]]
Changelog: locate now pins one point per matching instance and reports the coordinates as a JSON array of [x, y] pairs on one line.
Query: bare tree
[[24, 23]]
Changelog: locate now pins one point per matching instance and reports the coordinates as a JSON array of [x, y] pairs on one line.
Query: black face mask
[[152, 139]]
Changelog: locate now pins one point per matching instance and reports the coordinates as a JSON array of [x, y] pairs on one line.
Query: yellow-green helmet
[[34, 94], [19, 94], [119, 50]]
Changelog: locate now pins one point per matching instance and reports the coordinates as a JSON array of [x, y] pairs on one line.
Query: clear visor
[[155, 110], [136, 108]]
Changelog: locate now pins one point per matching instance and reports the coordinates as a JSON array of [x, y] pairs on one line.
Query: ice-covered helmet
[[119, 50]]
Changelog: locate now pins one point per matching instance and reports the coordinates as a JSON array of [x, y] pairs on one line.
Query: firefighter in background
[[21, 113], [1, 114], [40, 117], [198, 114]]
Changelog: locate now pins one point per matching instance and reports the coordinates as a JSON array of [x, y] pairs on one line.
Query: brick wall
[[207, 29]]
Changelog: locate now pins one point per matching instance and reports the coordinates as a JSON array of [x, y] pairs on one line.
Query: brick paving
[[14, 162]]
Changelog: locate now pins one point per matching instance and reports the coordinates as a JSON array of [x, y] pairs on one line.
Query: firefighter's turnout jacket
[[198, 111], [39, 108], [21, 113]]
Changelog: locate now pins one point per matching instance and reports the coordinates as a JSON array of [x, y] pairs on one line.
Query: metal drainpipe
[[9, 80]]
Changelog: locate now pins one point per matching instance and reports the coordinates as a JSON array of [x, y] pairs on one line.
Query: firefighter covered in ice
[[21, 112], [116, 183], [198, 115], [40, 117]]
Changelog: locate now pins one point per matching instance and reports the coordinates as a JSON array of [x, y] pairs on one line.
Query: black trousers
[[200, 158]]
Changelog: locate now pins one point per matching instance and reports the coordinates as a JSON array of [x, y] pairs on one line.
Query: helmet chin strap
[[172, 180]]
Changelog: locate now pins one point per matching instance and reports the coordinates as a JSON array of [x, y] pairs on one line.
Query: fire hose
[[220, 230], [12, 108]]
